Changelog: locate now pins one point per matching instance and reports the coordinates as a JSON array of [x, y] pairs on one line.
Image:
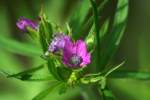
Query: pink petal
[[81, 48], [86, 60]]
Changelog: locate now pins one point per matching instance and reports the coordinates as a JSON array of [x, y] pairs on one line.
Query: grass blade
[[117, 32], [44, 93], [19, 48], [131, 74], [95, 12]]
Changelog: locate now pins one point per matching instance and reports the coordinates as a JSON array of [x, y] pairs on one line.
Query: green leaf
[[19, 48], [27, 71], [113, 69], [108, 95], [43, 38], [78, 17], [29, 75], [32, 33], [90, 41], [44, 93], [131, 74], [96, 26], [45, 32], [104, 29], [48, 30], [117, 32], [53, 65], [63, 89], [87, 23]]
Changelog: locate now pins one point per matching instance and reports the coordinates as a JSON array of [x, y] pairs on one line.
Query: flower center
[[75, 60]]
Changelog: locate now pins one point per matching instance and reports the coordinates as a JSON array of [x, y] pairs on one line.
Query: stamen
[[75, 60]]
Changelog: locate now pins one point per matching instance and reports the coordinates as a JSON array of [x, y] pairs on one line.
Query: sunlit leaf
[[44, 93], [19, 48], [90, 40], [32, 33]]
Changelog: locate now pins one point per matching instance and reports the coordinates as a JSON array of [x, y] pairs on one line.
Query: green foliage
[[117, 32], [97, 37], [29, 75], [44, 93], [19, 48], [131, 74], [96, 27], [108, 95], [53, 65], [45, 32]]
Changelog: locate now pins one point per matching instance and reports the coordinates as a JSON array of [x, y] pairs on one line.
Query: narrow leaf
[[90, 41], [27, 71], [43, 38], [44, 93], [96, 26], [104, 29], [113, 69], [117, 32], [106, 94], [19, 48], [53, 64], [131, 74]]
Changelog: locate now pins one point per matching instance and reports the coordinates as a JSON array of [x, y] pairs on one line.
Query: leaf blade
[[44, 93], [131, 74], [19, 48], [117, 32]]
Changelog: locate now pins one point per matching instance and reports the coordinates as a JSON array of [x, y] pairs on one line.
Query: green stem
[[95, 11]]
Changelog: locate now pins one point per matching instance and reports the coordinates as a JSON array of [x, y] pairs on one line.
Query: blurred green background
[[134, 48]]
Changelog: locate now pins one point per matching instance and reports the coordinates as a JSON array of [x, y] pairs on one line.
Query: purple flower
[[75, 54], [23, 23], [58, 42]]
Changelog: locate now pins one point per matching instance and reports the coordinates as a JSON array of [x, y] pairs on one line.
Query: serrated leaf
[[131, 74], [19, 48], [117, 32], [44, 93]]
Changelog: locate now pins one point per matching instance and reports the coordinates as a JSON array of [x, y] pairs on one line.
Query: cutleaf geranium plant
[[69, 56]]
